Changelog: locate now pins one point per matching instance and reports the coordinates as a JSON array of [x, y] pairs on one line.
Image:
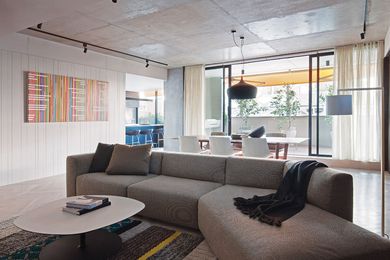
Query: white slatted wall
[[35, 150]]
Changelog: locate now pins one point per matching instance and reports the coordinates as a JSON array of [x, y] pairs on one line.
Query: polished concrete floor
[[21, 197], [367, 200]]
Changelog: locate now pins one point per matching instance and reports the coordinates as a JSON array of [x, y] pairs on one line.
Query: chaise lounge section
[[197, 191]]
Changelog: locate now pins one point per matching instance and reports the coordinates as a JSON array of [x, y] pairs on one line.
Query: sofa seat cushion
[[101, 183], [170, 199], [311, 234]]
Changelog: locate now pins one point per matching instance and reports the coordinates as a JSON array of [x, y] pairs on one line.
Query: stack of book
[[85, 204]]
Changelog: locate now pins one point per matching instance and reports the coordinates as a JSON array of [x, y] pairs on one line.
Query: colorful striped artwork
[[56, 98]]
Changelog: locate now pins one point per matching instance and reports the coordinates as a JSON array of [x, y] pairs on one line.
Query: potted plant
[[286, 106], [248, 107]]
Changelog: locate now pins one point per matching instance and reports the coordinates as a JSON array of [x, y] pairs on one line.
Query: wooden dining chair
[[272, 147], [217, 134], [275, 135]]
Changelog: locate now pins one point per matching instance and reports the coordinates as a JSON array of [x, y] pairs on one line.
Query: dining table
[[275, 144]]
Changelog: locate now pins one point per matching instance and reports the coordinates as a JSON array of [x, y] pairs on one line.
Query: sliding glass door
[[290, 101], [320, 86], [217, 80]]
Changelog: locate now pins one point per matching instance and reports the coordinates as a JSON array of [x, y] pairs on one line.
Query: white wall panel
[[35, 150]]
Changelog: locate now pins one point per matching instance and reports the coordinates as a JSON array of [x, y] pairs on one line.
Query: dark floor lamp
[[342, 105]]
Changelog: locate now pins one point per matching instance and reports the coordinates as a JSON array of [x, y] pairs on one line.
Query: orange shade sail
[[286, 78]]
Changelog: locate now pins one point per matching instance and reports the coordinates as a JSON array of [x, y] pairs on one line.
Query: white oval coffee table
[[82, 237]]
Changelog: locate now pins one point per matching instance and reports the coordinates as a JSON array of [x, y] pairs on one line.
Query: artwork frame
[[53, 98]]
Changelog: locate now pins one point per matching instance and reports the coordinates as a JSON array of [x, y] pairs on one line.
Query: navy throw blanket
[[289, 199]]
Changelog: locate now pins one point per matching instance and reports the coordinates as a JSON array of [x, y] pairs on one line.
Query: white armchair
[[255, 147], [221, 145]]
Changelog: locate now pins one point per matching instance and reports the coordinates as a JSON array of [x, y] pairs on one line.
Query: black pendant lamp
[[241, 90]]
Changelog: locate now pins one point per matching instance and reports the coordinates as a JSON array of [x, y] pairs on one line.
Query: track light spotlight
[[362, 35], [147, 64], [39, 26], [85, 47], [115, 1]]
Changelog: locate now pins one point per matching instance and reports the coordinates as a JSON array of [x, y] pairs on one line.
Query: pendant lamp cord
[[242, 53]]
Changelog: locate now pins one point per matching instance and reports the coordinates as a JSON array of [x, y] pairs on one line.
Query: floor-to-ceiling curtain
[[357, 136], [193, 100]]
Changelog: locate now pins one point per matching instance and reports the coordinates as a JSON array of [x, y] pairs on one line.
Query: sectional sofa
[[197, 191]]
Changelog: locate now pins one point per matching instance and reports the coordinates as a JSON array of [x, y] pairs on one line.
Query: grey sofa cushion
[[330, 190], [311, 234], [259, 173], [76, 165], [102, 184], [101, 158], [170, 199], [127, 159], [155, 162], [194, 166]]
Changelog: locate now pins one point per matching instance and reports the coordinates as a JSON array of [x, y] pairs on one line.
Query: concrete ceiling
[[17, 15], [185, 32]]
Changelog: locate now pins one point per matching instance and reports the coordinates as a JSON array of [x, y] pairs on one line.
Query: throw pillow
[[132, 160], [257, 133], [101, 158]]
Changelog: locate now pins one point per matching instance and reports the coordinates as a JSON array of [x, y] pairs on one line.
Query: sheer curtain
[[357, 137], [193, 100]]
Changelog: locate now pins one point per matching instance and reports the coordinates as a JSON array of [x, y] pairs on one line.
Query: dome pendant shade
[[242, 90]]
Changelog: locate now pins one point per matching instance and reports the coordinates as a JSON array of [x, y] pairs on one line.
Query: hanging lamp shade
[[242, 90], [339, 105]]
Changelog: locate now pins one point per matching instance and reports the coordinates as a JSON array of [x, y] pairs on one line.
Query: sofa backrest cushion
[[194, 166], [330, 190], [155, 162], [101, 158], [251, 172], [130, 160]]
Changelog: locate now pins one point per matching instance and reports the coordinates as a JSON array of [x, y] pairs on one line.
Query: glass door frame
[[224, 89], [317, 114]]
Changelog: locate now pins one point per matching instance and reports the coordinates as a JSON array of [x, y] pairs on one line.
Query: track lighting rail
[[97, 46]]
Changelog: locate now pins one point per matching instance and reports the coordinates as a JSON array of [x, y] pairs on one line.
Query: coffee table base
[[97, 244]]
